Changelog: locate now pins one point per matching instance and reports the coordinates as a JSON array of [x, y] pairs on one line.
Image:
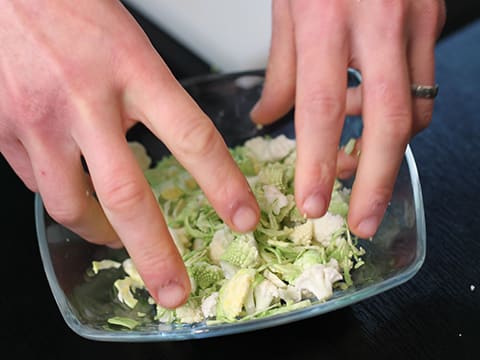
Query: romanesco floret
[[242, 252], [206, 275]]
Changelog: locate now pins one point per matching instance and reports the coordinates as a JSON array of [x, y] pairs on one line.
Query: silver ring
[[424, 91]]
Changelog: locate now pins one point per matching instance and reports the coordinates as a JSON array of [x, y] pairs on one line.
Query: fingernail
[[245, 218], [314, 205], [368, 227], [171, 294], [115, 244]]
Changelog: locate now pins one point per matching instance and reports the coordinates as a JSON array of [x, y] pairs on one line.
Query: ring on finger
[[424, 91]]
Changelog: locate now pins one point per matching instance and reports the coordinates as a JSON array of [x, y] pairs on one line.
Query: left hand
[[313, 43]]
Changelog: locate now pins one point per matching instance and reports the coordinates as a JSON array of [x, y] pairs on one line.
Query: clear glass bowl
[[393, 257]]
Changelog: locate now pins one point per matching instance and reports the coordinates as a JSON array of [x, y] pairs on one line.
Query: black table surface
[[435, 315]]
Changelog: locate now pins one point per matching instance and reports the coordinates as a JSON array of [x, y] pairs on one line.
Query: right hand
[[75, 77]]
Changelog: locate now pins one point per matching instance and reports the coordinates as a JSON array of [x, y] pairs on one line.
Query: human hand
[[75, 77], [313, 43]]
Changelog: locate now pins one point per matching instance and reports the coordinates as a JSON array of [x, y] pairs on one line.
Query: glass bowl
[[393, 256]]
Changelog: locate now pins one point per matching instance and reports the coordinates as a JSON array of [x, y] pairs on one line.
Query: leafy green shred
[[288, 262], [124, 322]]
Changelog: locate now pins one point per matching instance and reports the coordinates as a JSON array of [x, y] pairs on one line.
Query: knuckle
[[324, 105], [396, 117], [154, 260], [379, 197], [33, 111], [123, 195], [200, 139], [397, 124], [68, 213]]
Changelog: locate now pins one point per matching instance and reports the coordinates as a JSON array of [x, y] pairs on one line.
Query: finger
[[421, 58], [131, 208], [279, 88], [322, 55], [354, 101], [172, 115], [348, 158], [16, 155], [67, 194], [387, 119]]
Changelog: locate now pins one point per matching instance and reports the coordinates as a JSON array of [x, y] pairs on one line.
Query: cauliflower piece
[[318, 280], [302, 234], [220, 241], [163, 315], [290, 294], [189, 313], [228, 269], [265, 149], [233, 294], [265, 293], [325, 226], [232, 276], [209, 305], [276, 200]]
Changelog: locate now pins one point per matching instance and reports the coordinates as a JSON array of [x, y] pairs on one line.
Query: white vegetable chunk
[[270, 149], [318, 280]]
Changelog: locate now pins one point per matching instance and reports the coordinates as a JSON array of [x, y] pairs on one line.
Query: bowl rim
[[198, 332]]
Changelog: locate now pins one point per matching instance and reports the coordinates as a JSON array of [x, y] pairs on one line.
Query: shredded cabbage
[[287, 262]]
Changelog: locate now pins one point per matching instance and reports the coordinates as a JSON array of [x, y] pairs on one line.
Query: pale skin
[[391, 42], [75, 76]]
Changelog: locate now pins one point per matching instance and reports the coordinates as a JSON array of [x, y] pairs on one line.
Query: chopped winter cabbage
[[123, 321], [104, 264], [286, 263]]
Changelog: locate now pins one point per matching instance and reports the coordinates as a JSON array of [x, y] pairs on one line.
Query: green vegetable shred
[[288, 262]]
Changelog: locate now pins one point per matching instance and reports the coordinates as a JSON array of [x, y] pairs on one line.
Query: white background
[[230, 35]]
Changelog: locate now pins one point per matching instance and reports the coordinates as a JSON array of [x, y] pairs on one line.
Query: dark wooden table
[[436, 315]]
